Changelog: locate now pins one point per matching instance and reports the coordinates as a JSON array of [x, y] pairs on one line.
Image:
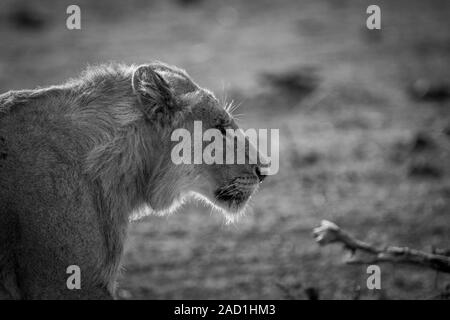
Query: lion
[[79, 160]]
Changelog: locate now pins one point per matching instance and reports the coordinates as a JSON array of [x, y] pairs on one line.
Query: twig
[[442, 252], [328, 232]]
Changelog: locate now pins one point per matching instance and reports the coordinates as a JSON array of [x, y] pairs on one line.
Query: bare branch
[[442, 252], [328, 232]]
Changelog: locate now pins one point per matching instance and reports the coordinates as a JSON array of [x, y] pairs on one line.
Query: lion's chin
[[233, 205], [231, 208]]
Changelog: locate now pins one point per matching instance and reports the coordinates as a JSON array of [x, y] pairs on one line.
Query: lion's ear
[[153, 92]]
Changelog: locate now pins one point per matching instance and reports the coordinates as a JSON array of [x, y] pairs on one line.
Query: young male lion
[[78, 159]]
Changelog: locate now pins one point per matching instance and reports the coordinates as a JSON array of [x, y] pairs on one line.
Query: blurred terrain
[[364, 119]]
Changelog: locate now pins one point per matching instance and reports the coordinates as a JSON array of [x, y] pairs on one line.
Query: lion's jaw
[[230, 199]]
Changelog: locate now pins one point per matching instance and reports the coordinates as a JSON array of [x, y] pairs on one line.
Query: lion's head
[[177, 106]]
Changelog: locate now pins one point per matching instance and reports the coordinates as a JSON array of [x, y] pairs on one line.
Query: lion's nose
[[261, 176]]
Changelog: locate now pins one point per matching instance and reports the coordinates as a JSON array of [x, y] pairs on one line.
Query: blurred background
[[364, 134]]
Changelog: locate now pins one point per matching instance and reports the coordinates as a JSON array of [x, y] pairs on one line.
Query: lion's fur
[[77, 160]]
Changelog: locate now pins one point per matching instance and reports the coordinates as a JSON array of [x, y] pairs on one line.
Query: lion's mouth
[[233, 198]]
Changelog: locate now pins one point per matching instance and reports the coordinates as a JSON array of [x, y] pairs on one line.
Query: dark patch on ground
[[312, 293], [422, 142], [426, 90], [305, 160], [424, 170], [298, 83], [27, 18]]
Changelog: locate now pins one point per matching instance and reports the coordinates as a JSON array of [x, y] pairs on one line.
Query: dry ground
[[355, 146]]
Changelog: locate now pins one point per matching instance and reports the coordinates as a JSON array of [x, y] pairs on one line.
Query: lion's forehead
[[206, 105], [202, 102]]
